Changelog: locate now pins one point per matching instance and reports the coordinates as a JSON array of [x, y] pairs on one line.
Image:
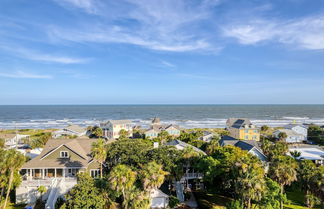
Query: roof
[[309, 152], [243, 144], [240, 122], [290, 126], [118, 122], [76, 128], [289, 132], [80, 146], [156, 120], [7, 136], [184, 145]]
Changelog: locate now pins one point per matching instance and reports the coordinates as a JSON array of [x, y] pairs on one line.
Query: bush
[[173, 201], [235, 204]]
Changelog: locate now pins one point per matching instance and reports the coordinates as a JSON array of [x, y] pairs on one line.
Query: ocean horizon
[[184, 115]]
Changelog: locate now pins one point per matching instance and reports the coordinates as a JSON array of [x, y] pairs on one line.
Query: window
[[246, 137], [255, 131], [246, 131], [95, 173], [64, 154]]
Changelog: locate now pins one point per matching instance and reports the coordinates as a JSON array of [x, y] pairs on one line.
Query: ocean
[[187, 116]]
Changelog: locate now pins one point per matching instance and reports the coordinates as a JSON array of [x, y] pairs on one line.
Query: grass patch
[[14, 206], [207, 200]]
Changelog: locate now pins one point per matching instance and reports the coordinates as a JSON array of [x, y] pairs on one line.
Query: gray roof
[[183, 144], [289, 132], [240, 122], [243, 144], [117, 122], [75, 128], [156, 120], [290, 126]]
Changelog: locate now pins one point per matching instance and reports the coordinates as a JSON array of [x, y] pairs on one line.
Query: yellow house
[[242, 128]]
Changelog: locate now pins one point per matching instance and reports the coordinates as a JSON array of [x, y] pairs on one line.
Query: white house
[[159, 199], [207, 136], [292, 136], [112, 128], [299, 129], [308, 152], [156, 128], [72, 130], [12, 140]]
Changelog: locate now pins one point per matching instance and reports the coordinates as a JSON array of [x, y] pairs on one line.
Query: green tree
[[282, 136], [99, 152], [122, 178], [152, 176], [41, 189], [2, 143], [84, 195], [163, 136], [283, 170], [295, 154], [14, 162], [264, 128], [97, 131], [271, 197], [123, 134]]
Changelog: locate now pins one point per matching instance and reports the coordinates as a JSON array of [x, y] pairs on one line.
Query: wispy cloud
[[306, 33], [22, 74], [38, 56], [167, 64], [87, 5], [164, 25]]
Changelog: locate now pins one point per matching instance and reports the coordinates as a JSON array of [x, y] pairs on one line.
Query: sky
[[161, 52]]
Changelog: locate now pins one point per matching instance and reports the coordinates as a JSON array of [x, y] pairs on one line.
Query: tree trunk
[[249, 203], [8, 190], [281, 192], [101, 170], [2, 191], [307, 198]]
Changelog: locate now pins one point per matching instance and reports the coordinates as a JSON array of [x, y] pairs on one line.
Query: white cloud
[[87, 5], [22, 74], [306, 33], [38, 56], [167, 64], [164, 25]]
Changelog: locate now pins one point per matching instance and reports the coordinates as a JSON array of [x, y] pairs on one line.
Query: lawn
[[14, 206], [208, 200]]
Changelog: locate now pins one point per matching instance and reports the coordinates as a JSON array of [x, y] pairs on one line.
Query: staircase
[[179, 190]]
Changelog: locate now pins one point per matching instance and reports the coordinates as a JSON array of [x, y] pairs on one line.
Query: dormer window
[[64, 154]]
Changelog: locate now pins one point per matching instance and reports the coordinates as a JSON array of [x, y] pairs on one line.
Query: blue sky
[[161, 52]]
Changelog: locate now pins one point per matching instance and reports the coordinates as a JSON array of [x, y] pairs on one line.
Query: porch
[[49, 173]]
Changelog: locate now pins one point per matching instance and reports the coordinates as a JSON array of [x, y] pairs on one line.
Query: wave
[[203, 123]]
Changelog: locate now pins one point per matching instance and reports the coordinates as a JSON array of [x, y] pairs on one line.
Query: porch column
[[63, 173], [55, 172], [43, 173]]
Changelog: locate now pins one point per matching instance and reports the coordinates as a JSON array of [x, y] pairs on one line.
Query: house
[[159, 199], [251, 146], [314, 153], [56, 168], [72, 130], [156, 128], [292, 136], [112, 128], [207, 136], [12, 140], [299, 129], [242, 128], [180, 145]]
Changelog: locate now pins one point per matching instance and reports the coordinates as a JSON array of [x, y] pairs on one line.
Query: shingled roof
[[80, 146]]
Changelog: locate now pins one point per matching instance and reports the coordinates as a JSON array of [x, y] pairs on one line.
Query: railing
[[50, 203], [193, 175]]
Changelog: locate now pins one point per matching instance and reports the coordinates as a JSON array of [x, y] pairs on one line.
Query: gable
[[55, 154]]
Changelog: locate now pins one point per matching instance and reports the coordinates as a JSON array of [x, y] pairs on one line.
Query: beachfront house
[[292, 136], [56, 169], [13, 140], [251, 146], [314, 153], [156, 128], [112, 128], [299, 129], [242, 128], [71, 130]]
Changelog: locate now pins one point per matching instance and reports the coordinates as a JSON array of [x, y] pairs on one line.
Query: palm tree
[[283, 171], [122, 179], [152, 176], [15, 160], [41, 189], [99, 152], [295, 154]]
